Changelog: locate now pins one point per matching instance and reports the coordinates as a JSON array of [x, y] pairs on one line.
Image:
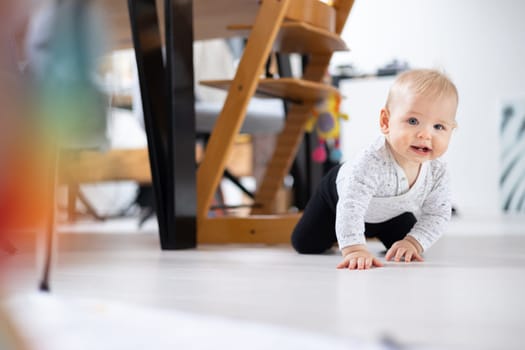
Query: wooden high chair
[[287, 26]]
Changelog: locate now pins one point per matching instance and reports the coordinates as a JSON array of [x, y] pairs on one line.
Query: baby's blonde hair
[[428, 82]]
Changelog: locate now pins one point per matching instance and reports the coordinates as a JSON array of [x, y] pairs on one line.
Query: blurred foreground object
[[14, 134], [10, 338], [64, 45], [55, 105]]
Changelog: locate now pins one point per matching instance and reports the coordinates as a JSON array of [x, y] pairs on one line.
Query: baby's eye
[[412, 121], [439, 127]]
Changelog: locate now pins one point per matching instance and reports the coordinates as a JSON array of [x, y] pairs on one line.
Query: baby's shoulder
[[438, 168], [369, 162]]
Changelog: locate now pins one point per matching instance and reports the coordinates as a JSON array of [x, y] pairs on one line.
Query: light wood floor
[[469, 293]]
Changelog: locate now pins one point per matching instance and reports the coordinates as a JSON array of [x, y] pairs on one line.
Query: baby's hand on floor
[[357, 257], [407, 248]]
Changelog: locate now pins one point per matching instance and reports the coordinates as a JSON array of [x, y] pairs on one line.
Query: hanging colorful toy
[[326, 120]]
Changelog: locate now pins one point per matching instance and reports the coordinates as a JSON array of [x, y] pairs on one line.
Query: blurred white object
[[54, 323]]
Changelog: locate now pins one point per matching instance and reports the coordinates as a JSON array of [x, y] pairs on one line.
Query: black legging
[[315, 231]]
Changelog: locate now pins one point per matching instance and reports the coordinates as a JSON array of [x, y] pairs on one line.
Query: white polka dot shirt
[[374, 188]]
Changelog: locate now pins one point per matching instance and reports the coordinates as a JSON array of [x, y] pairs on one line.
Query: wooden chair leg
[[72, 194]]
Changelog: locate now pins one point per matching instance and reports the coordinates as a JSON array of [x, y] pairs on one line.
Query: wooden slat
[[296, 90], [270, 229], [305, 38], [114, 165], [300, 37], [229, 122]]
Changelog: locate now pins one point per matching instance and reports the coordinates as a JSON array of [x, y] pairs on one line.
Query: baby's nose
[[424, 133]]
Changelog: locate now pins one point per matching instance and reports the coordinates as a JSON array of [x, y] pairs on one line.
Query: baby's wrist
[[415, 243], [353, 248]]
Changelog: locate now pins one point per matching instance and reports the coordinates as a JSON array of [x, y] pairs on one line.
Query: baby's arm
[[355, 187], [435, 213], [357, 257]]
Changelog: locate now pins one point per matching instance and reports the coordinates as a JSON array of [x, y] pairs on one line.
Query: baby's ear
[[384, 119]]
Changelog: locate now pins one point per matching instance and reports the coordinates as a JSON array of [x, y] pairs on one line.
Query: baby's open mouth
[[421, 149]]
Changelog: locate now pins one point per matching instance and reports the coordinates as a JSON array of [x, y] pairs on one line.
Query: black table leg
[[182, 208], [165, 120]]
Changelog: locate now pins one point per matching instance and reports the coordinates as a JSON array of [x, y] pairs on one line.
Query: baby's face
[[418, 128]]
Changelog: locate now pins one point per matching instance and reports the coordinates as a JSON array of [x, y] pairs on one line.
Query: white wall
[[479, 43]]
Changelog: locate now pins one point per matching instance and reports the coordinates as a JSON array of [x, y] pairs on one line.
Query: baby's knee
[[306, 246]]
